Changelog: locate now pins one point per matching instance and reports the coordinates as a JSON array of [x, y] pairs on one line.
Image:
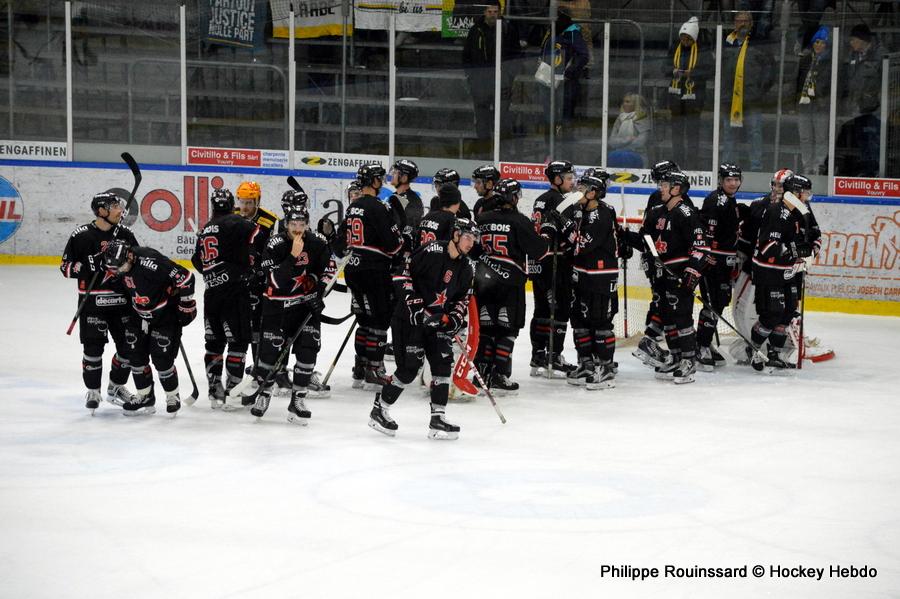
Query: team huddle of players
[[414, 273]]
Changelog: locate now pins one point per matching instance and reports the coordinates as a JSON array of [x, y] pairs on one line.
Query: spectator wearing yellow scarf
[[747, 76], [689, 65]]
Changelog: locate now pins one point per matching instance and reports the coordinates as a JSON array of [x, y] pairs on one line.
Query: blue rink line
[[320, 174]]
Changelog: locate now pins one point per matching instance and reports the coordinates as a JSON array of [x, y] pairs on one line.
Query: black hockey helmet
[[680, 179], [105, 200], [115, 256], [727, 169], [446, 175], [558, 168], [797, 184], [294, 198], [353, 187], [466, 226], [449, 195], [367, 173], [406, 167], [509, 190], [591, 181], [600, 173], [296, 212], [486, 172], [661, 169], [222, 200]]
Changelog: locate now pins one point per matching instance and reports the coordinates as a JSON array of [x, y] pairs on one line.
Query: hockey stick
[[136, 171], [481, 382], [624, 260], [195, 393], [652, 247], [552, 313], [800, 341], [293, 183], [340, 351], [334, 320]]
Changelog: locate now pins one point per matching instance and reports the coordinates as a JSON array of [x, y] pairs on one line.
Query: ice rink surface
[[736, 469]]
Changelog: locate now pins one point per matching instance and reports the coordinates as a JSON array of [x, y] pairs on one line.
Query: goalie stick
[[136, 171]]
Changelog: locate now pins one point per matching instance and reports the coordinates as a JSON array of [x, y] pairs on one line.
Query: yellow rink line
[[818, 304]]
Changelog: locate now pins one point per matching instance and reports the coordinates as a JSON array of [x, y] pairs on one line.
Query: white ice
[[736, 469]]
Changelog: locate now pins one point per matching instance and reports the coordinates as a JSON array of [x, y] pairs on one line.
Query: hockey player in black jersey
[[680, 240], [508, 239], [249, 196], [289, 199], [405, 202], [443, 177], [595, 265], [106, 307], [296, 267], [780, 250], [485, 179], [438, 224], [374, 238], [433, 292], [225, 253], [162, 295], [552, 276], [720, 217], [649, 349]]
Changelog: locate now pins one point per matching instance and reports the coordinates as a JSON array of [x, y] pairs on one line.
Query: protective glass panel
[[32, 70], [237, 77], [126, 72]]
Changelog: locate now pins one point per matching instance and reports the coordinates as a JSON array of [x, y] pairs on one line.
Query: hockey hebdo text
[[770, 571]]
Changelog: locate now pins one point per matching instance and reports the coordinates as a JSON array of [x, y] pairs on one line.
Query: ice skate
[[603, 377], [650, 353], [316, 388], [283, 383], [380, 418], [718, 359], [297, 412], [684, 374], [173, 403], [118, 395], [705, 360], [262, 402], [580, 375], [667, 371], [359, 372], [216, 395], [92, 400], [538, 363], [141, 406], [440, 429], [501, 385]]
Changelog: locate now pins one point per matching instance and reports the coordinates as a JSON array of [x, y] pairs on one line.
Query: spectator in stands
[[811, 12], [748, 73], [630, 133], [762, 11], [571, 58], [813, 103], [479, 57], [859, 140], [689, 65]]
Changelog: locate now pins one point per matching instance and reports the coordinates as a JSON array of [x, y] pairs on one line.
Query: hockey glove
[[436, 321], [804, 250], [187, 311], [416, 308], [690, 278], [453, 323]]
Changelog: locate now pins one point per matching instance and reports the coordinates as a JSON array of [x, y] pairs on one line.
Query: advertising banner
[[312, 18], [412, 15]]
